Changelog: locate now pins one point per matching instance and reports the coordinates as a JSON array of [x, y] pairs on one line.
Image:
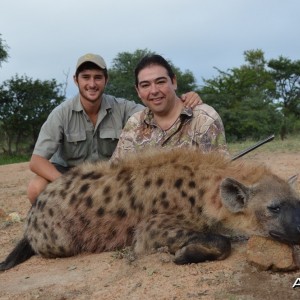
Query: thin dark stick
[[266, 140]]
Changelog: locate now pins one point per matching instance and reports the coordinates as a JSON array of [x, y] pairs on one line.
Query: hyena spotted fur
[[180, 199]]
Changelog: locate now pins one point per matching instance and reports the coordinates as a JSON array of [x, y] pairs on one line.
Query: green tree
[[286, 74], [121, 83], [24, 106], [243, 97], [3, 51]]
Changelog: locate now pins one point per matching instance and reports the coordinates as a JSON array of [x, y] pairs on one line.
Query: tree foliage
[[286, 75], [244, 97], [3, 51], [24, 106], [121, 74], [121, 83]]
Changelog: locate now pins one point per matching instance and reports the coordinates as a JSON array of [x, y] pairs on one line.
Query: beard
[[91, 95]]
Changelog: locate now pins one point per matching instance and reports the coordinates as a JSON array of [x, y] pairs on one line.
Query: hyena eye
[[274, 209]]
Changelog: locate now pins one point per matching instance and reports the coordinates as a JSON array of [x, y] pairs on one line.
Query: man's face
[[156, 89], [91, 84]]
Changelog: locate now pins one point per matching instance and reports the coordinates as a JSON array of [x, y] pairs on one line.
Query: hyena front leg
[[200, 247], [181, 239]]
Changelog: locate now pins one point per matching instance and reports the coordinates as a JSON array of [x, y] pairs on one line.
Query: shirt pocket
[[75, 137], [108, 140], [76, 146]]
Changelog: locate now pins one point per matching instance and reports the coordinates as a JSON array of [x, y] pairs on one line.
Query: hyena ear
[[234, 195], [292, 181]]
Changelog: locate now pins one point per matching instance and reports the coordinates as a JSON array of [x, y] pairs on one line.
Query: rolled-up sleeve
[[50, 135]]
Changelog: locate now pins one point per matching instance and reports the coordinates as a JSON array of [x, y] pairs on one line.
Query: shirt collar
[[186, 113], [77, 104], [105, 104]]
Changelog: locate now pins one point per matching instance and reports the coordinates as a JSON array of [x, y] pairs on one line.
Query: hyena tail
[[19, 254]]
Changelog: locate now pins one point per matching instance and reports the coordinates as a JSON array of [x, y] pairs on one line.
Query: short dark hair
[[90, 66], [153, 59]]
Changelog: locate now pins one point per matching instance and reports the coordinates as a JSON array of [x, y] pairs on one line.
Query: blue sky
[[46, 37]]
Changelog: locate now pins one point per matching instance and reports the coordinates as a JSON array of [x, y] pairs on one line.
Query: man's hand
[[191, 99]]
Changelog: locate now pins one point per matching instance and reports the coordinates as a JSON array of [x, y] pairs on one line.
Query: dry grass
[[291, 144]]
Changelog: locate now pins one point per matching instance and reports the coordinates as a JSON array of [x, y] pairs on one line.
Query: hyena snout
[[288, 218]]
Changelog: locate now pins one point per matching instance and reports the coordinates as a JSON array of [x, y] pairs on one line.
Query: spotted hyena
[[181, 200]]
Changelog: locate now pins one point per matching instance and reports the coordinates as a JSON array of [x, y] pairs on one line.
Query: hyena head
[[270, 207]]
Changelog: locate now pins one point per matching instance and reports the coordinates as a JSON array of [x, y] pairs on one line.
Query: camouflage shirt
[[201, 127]]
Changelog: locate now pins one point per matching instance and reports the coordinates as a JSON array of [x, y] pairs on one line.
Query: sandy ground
[[109, 276]]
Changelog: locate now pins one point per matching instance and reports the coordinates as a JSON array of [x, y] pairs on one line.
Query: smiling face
[[156, 89], [91, 84]]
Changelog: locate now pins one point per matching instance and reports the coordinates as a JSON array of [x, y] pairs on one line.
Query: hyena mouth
[[284, 238]]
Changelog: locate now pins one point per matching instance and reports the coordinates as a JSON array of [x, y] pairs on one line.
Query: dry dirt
[[107, 276]]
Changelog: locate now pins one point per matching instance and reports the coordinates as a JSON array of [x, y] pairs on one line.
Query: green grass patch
[[6, 159], [291, 144]]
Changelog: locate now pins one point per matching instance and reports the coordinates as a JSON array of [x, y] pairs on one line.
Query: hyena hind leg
[[201, 247]]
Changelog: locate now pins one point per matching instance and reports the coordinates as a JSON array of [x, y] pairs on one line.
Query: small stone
[[14, 217], [268, 254]]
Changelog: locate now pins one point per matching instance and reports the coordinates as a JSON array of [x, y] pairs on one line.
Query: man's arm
[[43, 168], [46, 145], [45, 173], [209, 130]]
